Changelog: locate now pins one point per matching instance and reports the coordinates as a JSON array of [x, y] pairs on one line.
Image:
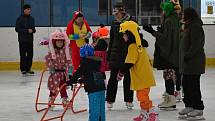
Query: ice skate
[[165, 94], [24, 73], [183, 113], [65, 102], [164, 102], [129, 105], [109, 105], [169, 103], [142, 117], [30, 73], [153, 115], [195, 115]]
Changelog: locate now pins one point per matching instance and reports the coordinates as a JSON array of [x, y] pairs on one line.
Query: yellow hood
[[133, 28]]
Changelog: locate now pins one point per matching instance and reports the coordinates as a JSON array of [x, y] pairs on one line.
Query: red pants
[[75, 55], [63, 92], [143, 98]]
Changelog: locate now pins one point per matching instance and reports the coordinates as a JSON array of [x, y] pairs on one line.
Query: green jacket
[[192, 55], [166, 54]]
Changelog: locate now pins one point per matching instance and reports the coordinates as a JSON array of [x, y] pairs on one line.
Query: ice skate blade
[[30, 75], [178, 101], [196, 118], [168, 109], [182, 117]]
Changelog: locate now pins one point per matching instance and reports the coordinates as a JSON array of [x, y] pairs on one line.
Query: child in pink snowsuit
[[58, 58]]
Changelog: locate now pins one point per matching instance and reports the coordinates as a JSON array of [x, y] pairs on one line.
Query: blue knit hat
[[86, 50]]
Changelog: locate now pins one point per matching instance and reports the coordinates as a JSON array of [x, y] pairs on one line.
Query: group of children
[[91, 71]]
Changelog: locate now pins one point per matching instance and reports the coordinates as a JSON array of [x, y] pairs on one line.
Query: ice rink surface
[[18, 95]]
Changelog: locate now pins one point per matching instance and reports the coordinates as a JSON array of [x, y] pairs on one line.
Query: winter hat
[[118, 8], [133, 28], [59, 35], [95, 34], [26, 6], [168, 7], [86, 50], [103, 32]]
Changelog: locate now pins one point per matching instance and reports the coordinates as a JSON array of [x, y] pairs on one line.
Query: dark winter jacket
[[89, 71], [23, 23], [166, 54], [117, 47], [192, 55]]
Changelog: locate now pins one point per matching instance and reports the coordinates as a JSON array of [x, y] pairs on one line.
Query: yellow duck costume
[[141, 73], [142, 78]]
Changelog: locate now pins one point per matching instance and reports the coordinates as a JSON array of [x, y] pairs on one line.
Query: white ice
[[17, 99]]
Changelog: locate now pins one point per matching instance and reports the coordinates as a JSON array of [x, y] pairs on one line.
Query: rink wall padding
[[15, 66], [39, 65], [9, 47]]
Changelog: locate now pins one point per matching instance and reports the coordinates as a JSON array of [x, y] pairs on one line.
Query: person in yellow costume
[[138, 63], [78, 32]]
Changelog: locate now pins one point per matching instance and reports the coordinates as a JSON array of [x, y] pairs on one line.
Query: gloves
[[148, 28], [88, 35], [74, 37], [52, 70], [71, 81], [81, 79], [119, 76], [159, 28]]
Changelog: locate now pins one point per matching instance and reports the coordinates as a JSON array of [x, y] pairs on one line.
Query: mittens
[[148, 28], [74, 37]]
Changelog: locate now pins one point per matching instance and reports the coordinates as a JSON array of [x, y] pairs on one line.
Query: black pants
[[178, 80], [26, 55], [192, 92], [169, 75], [113, 85]]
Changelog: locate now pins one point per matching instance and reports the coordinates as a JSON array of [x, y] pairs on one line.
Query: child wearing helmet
[[93, 80], [101, 33], [58, 58]]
